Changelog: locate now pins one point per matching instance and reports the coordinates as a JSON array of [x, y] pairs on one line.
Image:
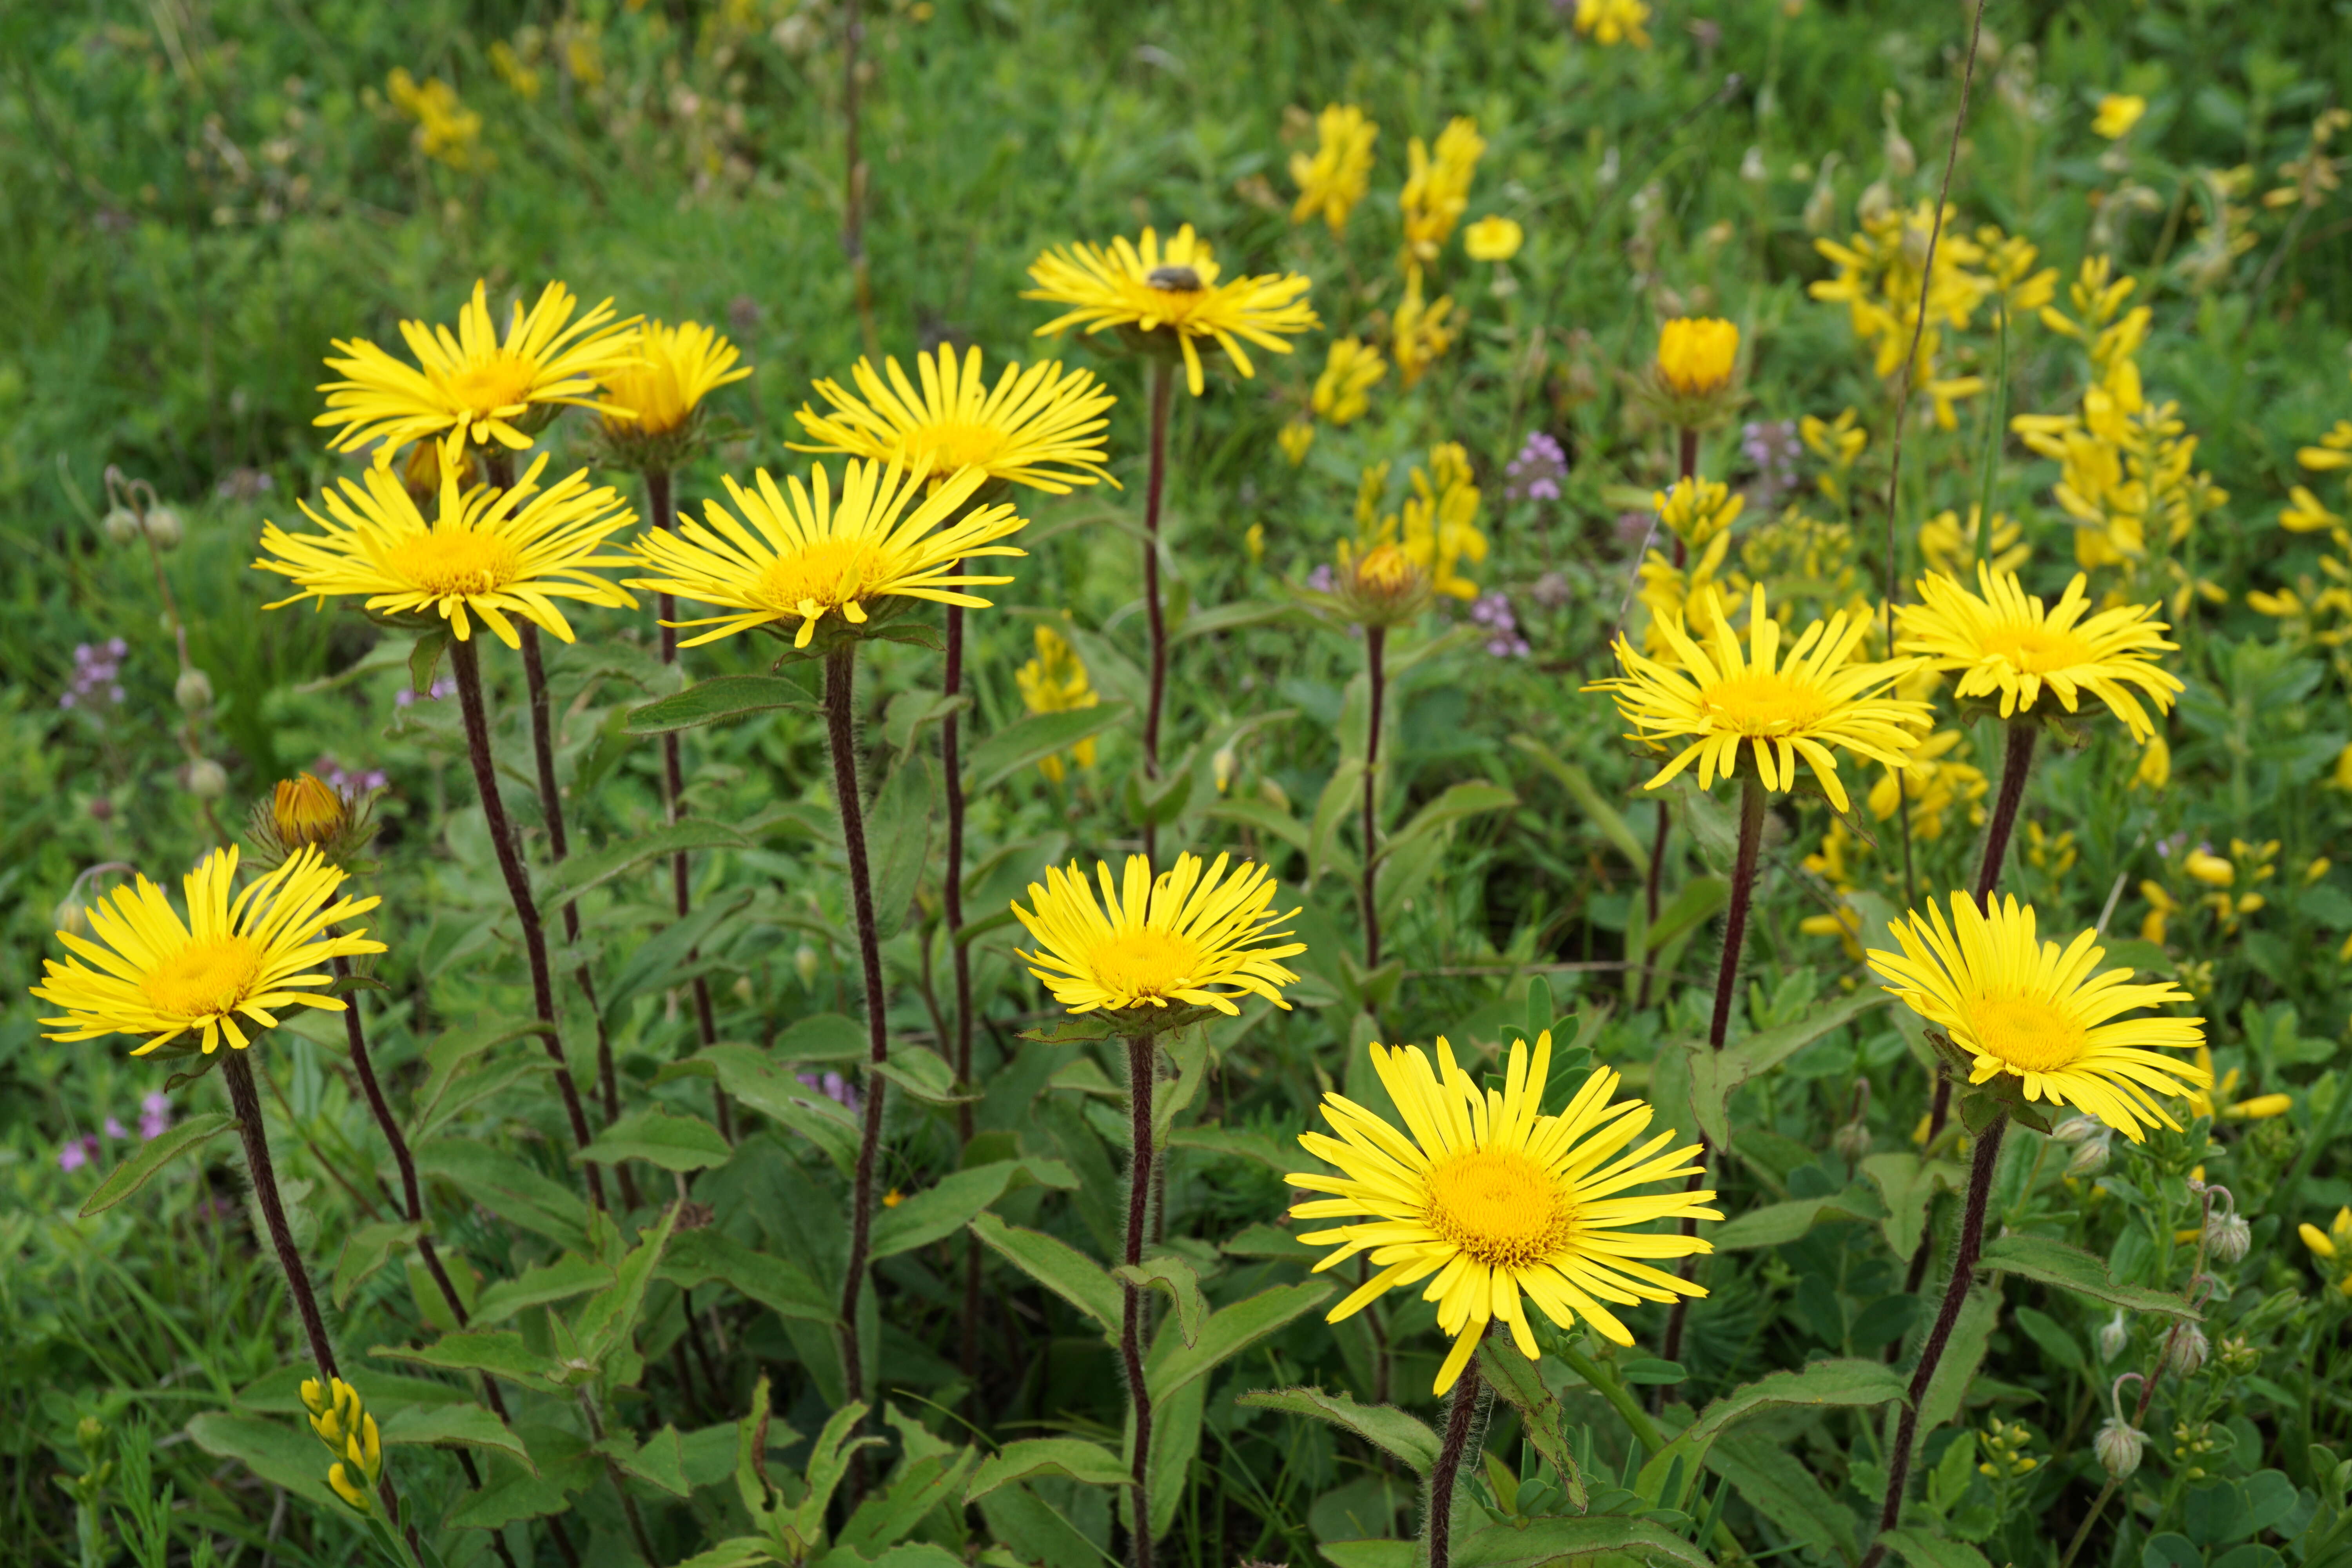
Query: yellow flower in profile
[[2335, 1242], [1613, 22], [2030, 1010], [2154, 770], [1502, 1202], [1350, 373], [1334, 180], [797, 561], [1697, 354], [674, 369], [473, 386], [1697, 509], [342, 1422], [447, 130], [305, 811], [1419, 335], [1297, 438], [248, 956], [2007, 642], [1493, 240], [2220, 1102], [1056, 682], [491, 554], [2117, 113], [1777, 708], [1188, 937], [1043, 427], [1170, 291], [1437, 190], [2161, 907]]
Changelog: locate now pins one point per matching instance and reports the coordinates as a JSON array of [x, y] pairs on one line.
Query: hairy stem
[[2016, 763], [1376, 642], [1163, 392], [1460, 1422], [1142, 1063]]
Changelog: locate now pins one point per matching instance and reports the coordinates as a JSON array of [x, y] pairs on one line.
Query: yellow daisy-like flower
[[1055, 682], [1334, 180], [248, 955], [801, 559], [674, 369], [2005, 641], [1170, 290], [1697, 354], [1498, 1200], [2117, 113], [1191, 937], [1780, 708], [473, 386], [1041, 427], [2036, 1012], [491, 554]]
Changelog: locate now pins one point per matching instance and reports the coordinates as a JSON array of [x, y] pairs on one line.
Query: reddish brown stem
[[1376, 668], [1461, 1420], [2016, 764]]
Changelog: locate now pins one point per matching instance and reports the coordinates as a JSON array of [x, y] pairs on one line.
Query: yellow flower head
[[492, 554], [447, 130], [2332, 1243], [1499, 1201], [2117, 113], [2006, 642], [2035, 1012], [674, 369], [1613, 22], [1186, 937], [1696, 355], [341, 1422], [1419, 332], [798, 560], [1437, 190], [1297, 438], [250, 955], [1780, 708], [1056, 682], [304, 811], [473, 386], [1334, 180], [1171, 293], [1494, 240], [1041, 427], [1697, 509], [1440, 520], [1350, 371], [2154, 770]]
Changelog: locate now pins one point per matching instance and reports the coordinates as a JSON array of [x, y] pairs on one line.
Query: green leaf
[[661, 1462], [1036, 1531], [1579, 786], [610, 1317], [569, 1276], [1963, 1354], [912, 713], [945, 1207], [828, 1461], [675, 1140], [1694, 902], [821, 1037], [1473, 797], [1227, 1333], [1542, 1421], [744, 1551], [1260, 816], [1057, 1266], [151, 1157], [775, 1090], [661, 960], [466, 1425], [1921, 1549], [425, 660], [510, 1493], [1384, 1426], [1717, 1076], [923, 1073], [1174, 1276], [508, 1188], [281, 1455], [1341, 796], [1907, 1184], [475, 1089], [2052, 1262], [718, 700], [1072, 1457], [1235, 617], [1238, 1142], [500, 1352], [2056, 1342], [1771, 1225], [1371, 1553], [696, 1258], [1156, 801], [899, 828], [1078, 1031], [1776, 1484], [1549, 1540], [1189, 1049], [1263, 1240], [924, 1482], [367, 1249], [1835, 1383], [1027, 742], [1175, 1444], [576, 876]]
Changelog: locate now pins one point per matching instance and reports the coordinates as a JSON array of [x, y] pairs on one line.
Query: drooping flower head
[[2040, 1013], [1727, 700], [1185, 938], [1696, 355], [1334, 180], [790, 562], [237, 956], [1055, 682], [2007, 642], [1043, 427], [472, 385], [655, 395], [1168, 297], [1500, 1202], [491, 554]]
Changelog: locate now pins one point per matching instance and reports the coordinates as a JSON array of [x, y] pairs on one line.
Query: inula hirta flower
[[791, 561], [496, 555], [1350, 373], [1498, 1201], [1168, 297], [1772, 708], [1186, 938], [2039, 1014], [674, 369], [1697, 354], [2006, 642], [473, 386], [306, 812], [1437, 189], [1056, 682], [1334, 180], [1043, 427], [237, 957]]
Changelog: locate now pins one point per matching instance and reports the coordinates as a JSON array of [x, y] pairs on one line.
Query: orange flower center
[[205, 978], [1498, 1206], [455, 563]]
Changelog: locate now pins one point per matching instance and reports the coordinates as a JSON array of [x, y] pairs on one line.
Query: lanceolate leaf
[[151, 1157], [367, 1249], [1175, 1277], [498, 1352], [2071, 1269], [1227, 1333], [1407, 1438], [582, 872], [1568, 1541], [717, 701], [1057, 1266], [1542, 1421], [659, 1136], [1853, 1381], [1073, 1456], [1030, 740], [696, 1258], [943, 1209], [508, 1188], [1776, 1484]]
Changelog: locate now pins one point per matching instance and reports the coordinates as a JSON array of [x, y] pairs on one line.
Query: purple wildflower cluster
[[154, 1121], [443, 686], [1321, 579], [1772, 446], [97, 674], [1535, 473], [1493, 611], [336, 776], [835, 1088]]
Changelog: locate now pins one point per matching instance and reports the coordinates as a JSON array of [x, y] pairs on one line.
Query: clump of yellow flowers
[[348, 1432], [1055, 682], [1334, 179]]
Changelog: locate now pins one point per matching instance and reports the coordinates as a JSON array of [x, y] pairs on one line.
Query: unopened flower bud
[[2119, 1446], [804, 965], [305, 811], [122, 526], [163, 527], [2227, 1238], [207, 780], [2113, 1336], [2186, 1350], [1851, 1141], [2090, 1159], [193, 691], [72, 916]]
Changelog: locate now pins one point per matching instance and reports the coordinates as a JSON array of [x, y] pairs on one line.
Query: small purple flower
[[97, 674], [114, 1129], [835, 1088], [1772, 446], [78, 1152], [1321, 580], [336, 776], [1493, 611], [1633, 527], [155, 1116], [1535, 473], [446, 686]]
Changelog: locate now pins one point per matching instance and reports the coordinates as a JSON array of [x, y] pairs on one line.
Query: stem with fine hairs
[[1464, 1407], [1155, 485], [1142, 1065], [1376, 642], [466, 666]]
